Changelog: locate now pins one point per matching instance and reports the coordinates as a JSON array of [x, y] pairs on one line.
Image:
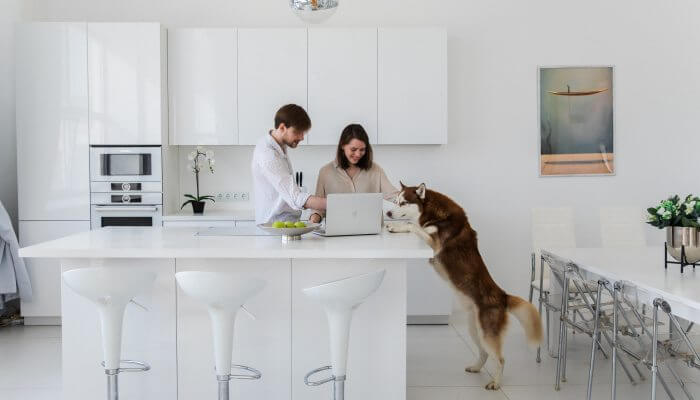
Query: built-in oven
[[125, 164], [126, 215], [126, 186]]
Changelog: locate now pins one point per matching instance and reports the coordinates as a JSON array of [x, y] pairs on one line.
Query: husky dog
[[443, 224]]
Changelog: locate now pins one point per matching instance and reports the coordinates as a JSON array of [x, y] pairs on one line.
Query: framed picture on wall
[[576, 121]]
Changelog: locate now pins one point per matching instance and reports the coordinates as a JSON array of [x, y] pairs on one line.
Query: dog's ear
[[402, 185], [420, 192]]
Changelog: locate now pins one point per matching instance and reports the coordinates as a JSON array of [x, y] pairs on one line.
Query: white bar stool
[[339, 299], [223, 294], [111, 289]]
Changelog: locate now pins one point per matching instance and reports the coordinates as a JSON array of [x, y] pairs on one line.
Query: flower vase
[[198, 207], [688, 238]]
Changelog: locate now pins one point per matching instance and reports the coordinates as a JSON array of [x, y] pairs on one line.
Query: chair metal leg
[[532, 275], [539, 308], [666, 388], [547, 317], [613, 386], [654, 345], [562, 328], [594, 341], [680, 382]]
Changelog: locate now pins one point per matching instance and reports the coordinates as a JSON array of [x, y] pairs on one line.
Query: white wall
[[10, 13], [494, 47]]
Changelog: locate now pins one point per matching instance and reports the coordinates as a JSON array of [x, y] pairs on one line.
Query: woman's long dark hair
[[354, 131]]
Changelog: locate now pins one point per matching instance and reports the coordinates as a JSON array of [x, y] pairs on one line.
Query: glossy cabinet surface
[[202, 100], [412, 86], [125, 71], [45, 273], [52, 121], [342, 82], [272, 67]]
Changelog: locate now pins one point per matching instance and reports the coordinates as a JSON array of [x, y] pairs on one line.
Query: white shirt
[[277, 196]]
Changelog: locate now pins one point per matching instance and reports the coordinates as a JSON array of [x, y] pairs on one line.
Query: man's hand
[[315, 218]]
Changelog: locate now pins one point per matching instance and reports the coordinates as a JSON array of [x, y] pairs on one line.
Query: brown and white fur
[[443, 224]]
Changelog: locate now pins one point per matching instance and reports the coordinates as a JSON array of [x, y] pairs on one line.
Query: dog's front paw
[[397, 227], [473, 370], [492, 386]]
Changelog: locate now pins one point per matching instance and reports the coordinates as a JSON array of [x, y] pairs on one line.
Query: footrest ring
[[321, 382], [131, 366], [255, 373]]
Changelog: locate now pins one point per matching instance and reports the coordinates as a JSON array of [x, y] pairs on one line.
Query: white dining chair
[[622, 227], [552, 227]]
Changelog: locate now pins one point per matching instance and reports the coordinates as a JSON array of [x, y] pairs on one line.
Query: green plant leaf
[[185, 203], [651, 210], [189, 196]]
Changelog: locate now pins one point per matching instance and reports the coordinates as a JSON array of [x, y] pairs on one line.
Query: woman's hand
[[315, 218]]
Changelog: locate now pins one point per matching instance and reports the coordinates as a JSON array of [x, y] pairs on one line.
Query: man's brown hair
[[293, 116]]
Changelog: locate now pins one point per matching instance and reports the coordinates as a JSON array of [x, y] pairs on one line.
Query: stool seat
[[223, 294], [111, 289], [339, 299]]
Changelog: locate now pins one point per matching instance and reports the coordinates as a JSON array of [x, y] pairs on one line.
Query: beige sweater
[[333, 179]]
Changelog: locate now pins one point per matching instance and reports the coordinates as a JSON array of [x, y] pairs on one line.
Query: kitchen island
[[287, 338]]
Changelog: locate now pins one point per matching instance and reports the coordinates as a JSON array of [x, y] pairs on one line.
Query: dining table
[[670, 290]]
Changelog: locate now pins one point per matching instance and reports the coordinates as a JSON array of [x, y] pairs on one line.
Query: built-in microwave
[[125, 163]]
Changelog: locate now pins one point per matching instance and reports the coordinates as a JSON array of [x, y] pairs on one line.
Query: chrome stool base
[[223, 380], [338, 382], [113, 375]]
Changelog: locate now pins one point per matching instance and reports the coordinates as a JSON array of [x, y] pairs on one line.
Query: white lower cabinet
[[429, 299], [263, 343], [45, 273]]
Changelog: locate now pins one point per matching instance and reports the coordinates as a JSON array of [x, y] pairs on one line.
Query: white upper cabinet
[[202, 86], [125, 75], [272, 67], [342, 82], [412, 86], [52, 121]]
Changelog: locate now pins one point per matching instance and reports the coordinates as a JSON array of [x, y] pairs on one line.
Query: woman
[[352, 171]]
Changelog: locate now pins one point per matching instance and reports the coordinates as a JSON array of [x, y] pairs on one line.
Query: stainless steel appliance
[[126, 186], [125, 164]]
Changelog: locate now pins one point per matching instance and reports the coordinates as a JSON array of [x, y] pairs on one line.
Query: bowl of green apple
[[289, 230]]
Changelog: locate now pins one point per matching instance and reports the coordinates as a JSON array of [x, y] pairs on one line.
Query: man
[[277, 196]]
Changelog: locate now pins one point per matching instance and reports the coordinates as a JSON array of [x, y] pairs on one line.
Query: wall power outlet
[[232, 196]]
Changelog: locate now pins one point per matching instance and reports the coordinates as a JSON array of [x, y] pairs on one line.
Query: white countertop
[[123, 242], [643, 267], [212, 215]]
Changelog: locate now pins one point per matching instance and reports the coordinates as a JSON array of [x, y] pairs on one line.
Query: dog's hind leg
[[494, 345], [476, 338]]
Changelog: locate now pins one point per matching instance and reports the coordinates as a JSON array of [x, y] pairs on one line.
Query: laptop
[[353, 214]]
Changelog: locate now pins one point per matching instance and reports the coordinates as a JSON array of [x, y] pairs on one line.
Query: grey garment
[[14, 279]]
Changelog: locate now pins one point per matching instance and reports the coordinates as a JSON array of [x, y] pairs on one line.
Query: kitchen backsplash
[[232, 172]]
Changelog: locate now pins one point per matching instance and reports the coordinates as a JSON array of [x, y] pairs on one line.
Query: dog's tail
[[529, 318]]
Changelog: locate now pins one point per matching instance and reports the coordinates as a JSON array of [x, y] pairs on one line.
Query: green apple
[[278, 224], [289, 224], [300, 224]]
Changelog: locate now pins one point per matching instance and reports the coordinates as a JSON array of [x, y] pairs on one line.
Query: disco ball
[[314, 11]]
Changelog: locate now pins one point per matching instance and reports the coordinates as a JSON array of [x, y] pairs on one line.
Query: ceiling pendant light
[[314, 11]]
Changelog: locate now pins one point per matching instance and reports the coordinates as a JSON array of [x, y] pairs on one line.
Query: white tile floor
[[30, 368]]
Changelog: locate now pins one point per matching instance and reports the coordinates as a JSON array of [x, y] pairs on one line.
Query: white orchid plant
[[199, 159], [675, 212]]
